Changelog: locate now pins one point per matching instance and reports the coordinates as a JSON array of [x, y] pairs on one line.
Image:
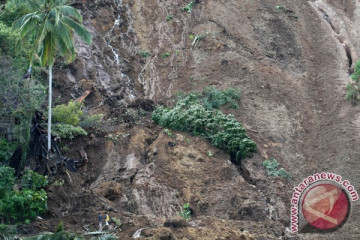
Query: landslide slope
[[291, 64]]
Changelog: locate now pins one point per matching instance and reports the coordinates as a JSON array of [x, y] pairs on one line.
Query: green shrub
[[272, 169], [7, 180], [169, 133], [91, 121], [67, 131], [185, 212], [7, 230], [19, 206], [67, 114], [32, 180], [106, 236], [214, 98], [6, 149], [117, 221], [223, 131], [59, 227]]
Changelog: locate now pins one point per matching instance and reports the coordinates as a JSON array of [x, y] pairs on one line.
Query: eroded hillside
[[291, 65]]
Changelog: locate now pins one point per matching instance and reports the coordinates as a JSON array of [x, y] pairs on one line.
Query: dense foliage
[[223, 131], [18, 97], [214, 98], [67, 114], [6, 150], [25, 204], [69, 120], [61, 235]]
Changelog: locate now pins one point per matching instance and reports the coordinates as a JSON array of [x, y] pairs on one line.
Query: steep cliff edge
[[292, 67]]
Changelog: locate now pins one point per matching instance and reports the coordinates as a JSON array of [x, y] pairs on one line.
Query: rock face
[[291, 63]]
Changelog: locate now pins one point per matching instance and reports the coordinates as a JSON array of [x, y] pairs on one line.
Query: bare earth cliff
[[291, 65]]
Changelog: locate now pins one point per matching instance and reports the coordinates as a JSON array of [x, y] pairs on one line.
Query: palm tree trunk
[[49, 117]]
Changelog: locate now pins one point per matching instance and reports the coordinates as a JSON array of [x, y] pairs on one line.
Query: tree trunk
[[50, 105]]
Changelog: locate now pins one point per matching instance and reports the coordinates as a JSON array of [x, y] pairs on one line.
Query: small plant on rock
[[144, 54], [166, 54], [188, 8], [273, 169], [169, 133], [353, 88], [116, 221], [185, 212]]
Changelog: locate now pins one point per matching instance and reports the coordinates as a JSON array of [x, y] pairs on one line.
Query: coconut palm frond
[[20, 22], [70, 12], [63, 38], [42, 31], [48, 50], [28, 27], [79, 29]]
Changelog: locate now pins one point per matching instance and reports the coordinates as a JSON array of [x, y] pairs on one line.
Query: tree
[[50, 30]]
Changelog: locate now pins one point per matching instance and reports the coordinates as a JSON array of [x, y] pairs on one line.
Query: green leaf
[[79, 29], [64, 41], [70, 12], [48, 50], [27, 27]]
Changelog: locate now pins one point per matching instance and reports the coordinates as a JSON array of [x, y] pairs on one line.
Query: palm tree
[[50, 30]]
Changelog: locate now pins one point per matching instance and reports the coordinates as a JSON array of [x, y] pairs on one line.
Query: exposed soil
[[291, 65]]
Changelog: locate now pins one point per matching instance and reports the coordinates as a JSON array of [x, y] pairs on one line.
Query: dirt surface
[[291, 65]]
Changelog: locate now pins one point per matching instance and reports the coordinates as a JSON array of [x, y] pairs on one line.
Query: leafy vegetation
[[169, 18], [353, 88], [92, 121], [144, 54], [7, 148], [105, 236], [214, 98], [116, 221], [7, 231], [25, 204], [66, 131], [69, 120], [169, 133], [273, 169], [60, 227], [185, 212], [188, 8], [19, 98], [68, 114], [166, 54], [32, 180], [223, 131], [61, 235], [49, 29]]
